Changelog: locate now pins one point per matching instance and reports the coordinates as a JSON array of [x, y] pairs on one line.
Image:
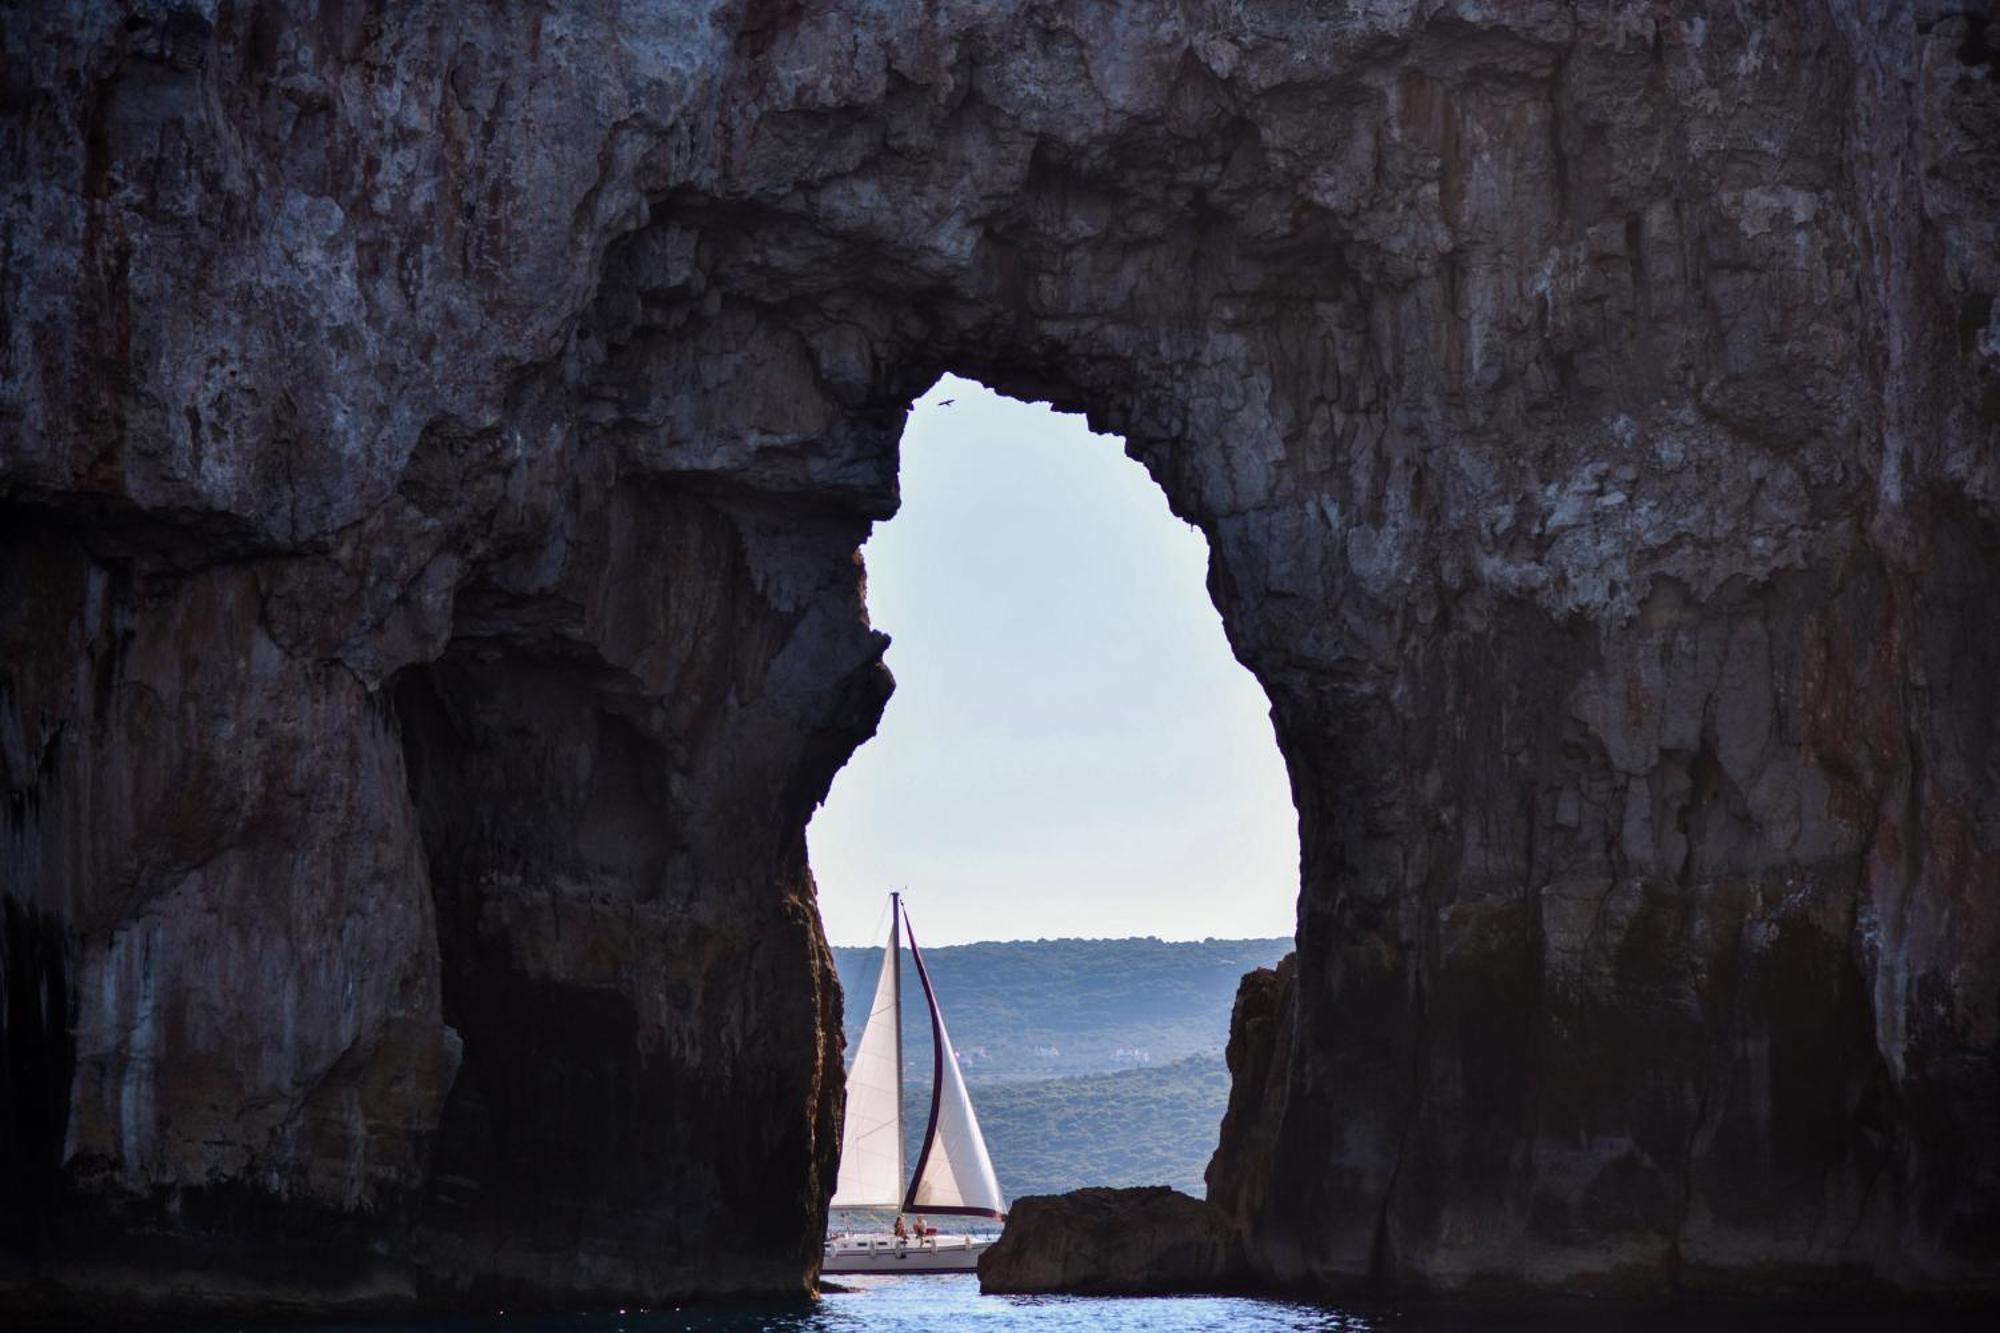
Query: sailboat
[[953, 1175]]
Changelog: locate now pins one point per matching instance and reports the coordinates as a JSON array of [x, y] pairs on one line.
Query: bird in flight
[[946, 402]]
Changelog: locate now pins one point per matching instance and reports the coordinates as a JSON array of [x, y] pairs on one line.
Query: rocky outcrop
[[1246, 1163], [434, 441], [1112, 1242]]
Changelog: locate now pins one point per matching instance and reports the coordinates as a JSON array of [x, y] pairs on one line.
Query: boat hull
[[875, 1256]]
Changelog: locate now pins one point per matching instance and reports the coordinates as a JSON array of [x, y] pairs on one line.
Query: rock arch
[[435, 448]]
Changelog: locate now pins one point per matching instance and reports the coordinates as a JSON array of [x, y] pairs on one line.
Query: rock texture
[[434, 440], [1113, 1242]]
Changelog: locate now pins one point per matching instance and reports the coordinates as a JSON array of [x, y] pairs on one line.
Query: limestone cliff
[[434, 440]]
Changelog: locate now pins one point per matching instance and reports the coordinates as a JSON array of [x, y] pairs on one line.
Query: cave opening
[[1075, 780]]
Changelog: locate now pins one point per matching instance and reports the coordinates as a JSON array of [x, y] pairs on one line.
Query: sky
[[1071, 749]]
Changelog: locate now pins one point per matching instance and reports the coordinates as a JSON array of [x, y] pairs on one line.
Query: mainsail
[[871, 1141], [954, 1174]]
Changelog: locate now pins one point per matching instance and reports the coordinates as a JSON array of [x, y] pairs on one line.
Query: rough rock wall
[[1112, 1242], [433, 444]]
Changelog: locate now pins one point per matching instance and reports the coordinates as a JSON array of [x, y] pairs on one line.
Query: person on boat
[[902, 1233]]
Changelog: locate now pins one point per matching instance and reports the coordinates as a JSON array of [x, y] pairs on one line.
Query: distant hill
[[1028, 1009], [1154, 1126], [1091, 1062]]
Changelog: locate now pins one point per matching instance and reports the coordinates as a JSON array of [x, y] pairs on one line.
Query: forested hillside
[[1152, 1126], [1050, 1008], [1091, 1062]]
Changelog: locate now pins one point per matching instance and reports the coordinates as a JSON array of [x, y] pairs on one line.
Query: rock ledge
[[1112, 1242]]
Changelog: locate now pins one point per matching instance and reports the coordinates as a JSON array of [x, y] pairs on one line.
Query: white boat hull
[[877, 1254]]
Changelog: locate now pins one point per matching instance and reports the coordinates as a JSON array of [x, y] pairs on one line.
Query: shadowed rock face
[[434, 441], [1110, 1242]]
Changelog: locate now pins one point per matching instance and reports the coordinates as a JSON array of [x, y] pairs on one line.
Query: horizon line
[[1085, 939]]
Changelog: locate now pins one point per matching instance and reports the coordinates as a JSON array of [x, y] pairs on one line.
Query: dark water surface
[[945, 1303]]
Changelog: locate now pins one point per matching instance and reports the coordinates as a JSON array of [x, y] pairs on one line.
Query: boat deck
[[880, 1252]]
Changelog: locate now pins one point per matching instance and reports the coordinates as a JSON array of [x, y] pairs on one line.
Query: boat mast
[[896, 984]]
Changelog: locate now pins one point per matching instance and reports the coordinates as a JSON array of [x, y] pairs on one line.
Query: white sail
[[871, 1139], [954, 1174]]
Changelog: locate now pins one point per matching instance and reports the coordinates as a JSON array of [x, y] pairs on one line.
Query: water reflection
[[929, 1304]]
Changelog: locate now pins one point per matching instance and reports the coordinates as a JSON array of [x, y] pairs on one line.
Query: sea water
[[948, 1303]]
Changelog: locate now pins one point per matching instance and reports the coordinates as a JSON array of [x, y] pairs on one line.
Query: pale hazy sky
[[1071, 748]]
